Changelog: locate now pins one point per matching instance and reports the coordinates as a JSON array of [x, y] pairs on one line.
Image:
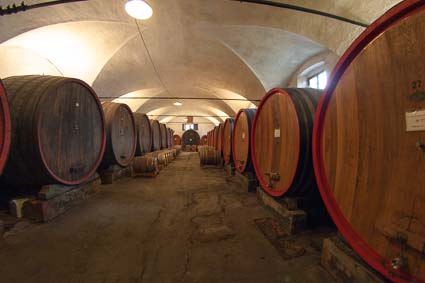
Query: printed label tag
[[415, 121], [277, 133]]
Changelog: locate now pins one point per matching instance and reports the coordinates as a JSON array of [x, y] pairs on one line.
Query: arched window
[[314, 76]]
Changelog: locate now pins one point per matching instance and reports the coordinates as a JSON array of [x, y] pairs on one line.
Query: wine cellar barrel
[[121, 134], [214, 137], [190, 137], [204, 140], [227, 140], [156, 135], [209, 156], [145, 164], [5, 127], [219, 138], [241, 140], [177, 140], [169, 138], [163, 135], [58, 133], [144, 134], [281, 141], [368, 148]]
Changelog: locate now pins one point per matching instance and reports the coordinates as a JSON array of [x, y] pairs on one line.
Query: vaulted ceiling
[[189, 48]]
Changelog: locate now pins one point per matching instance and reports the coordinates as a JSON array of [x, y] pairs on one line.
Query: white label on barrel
[[415, 121], [243, 135], [277, 133]]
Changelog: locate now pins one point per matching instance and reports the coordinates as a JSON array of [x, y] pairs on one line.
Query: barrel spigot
[[273, 177]]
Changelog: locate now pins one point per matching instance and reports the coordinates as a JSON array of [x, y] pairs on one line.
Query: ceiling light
[[138, 9], [177, 103]]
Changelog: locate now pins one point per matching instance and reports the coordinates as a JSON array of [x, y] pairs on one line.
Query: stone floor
[[187, 225]]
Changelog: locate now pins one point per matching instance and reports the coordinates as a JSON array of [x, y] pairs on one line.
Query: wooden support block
[[295, 220], [344, 265], [230, 170], [44, 210], [114, 173], [248, 181]]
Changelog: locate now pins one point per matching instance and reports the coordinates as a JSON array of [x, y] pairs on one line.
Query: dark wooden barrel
[[5, 127], [281, 141], [156, 135], [369, 152], [227, 140], [58, 133], [214, 137], [219, 138], [209, 138], [241, 140], [121, 134], [191, 137], [177, 140], [163, 134], [144, 134], [169, 138], [204, 140]]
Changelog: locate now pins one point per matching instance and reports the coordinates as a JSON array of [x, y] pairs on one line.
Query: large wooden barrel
[[156, 135], [191, 137], [281, 141], [5, 127], [227, 140], [219, 138], [144, 134], [241, 140], [163, 134], [214, 137], [169, 138], [177, 140], [369, 152], [58, 133], [204, 140], [121, 134]]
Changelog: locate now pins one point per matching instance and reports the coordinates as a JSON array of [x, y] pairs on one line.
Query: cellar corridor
[[187, 225]]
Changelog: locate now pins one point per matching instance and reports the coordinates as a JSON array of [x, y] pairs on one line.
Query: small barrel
[[145, 164], [144, 134], [281, 141], [121, 135], [5, 127], [369, 144], [227, 141], [191, 137], [177, 140], [156, 135], [163, 135], [209, 156], [204, 140], [58, 133], [241, 140]]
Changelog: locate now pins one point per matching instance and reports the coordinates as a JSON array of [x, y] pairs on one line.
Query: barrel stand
[[53, 200], [114, 173], [344, 264], [294, 219], [246, 181]]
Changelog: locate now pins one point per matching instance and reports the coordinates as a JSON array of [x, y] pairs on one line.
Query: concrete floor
[[187, 225]]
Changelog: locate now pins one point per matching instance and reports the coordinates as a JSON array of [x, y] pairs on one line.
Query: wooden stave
[[304, 102], [5, 127], [28, 122], [156, 135], [371, 35], [227, 141], [111, 157], [144, 134], [248, 165]]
